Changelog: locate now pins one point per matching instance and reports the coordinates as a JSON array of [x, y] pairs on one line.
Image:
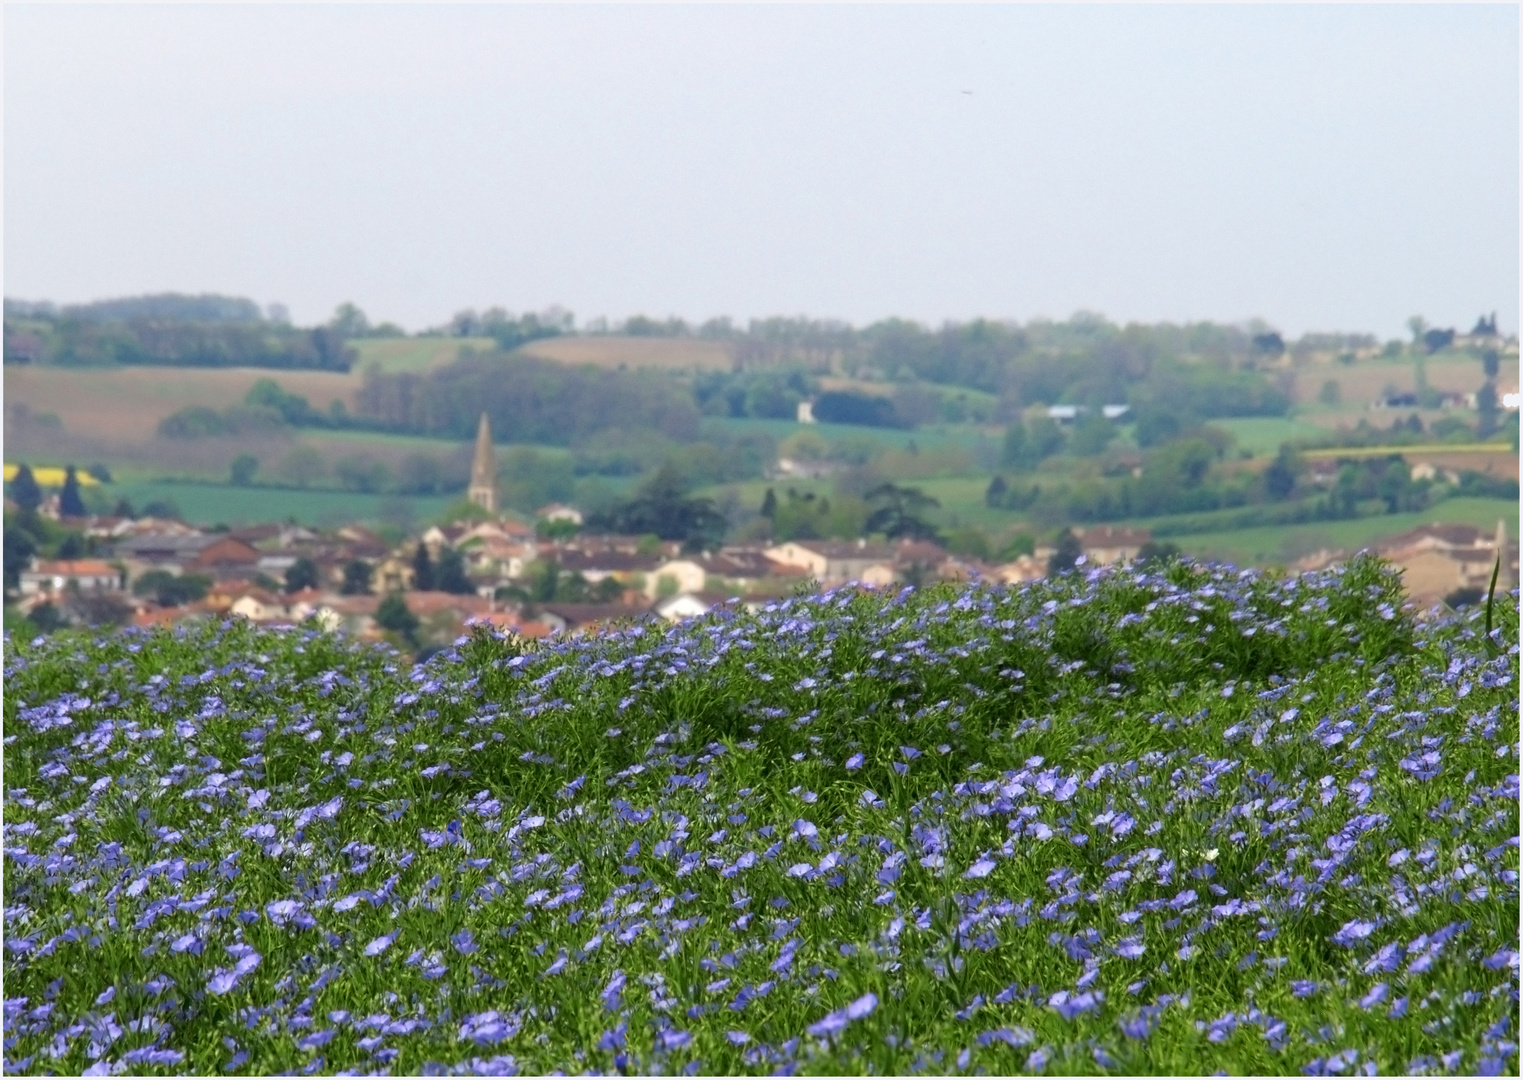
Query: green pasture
[[1262, 435], [1273, 544], [414, 354], [210, 504]]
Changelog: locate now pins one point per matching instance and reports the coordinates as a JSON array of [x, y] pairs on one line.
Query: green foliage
[[392, 614], [1092, 434], [529, 401], [1020, 544], [180, 331], [162, 508], [303, 466], [1160, 722], [69, 502], [773, 393], [363, 472], [172, 590], [292, 408], [809, 516], [1155, 552], [242, 470], [25, 491], [556, 528], [19, 548], [969, 540], [357, 574], [1065, 554], [663, 507], [450, 576], [849, 407], [899, 513], [530, 478], [422, 568], [302, 574]]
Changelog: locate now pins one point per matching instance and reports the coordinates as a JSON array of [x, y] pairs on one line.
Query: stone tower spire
[[483, 489]]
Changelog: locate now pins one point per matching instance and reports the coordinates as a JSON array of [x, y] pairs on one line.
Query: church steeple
[[483, 489]]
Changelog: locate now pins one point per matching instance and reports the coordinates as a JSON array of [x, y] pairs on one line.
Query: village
[[548, 576]]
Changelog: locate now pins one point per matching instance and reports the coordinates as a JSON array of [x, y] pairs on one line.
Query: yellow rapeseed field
[[49, 475]]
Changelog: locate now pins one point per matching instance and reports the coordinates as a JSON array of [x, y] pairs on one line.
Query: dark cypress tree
[[301, 574], [450, 576], [356, 578], [422, 569], [769, 505], [69, 502], [1066, 555], [392, 614], [24, 489], [994, 495]]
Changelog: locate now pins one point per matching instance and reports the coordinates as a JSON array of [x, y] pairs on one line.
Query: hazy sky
[[1320, 167]]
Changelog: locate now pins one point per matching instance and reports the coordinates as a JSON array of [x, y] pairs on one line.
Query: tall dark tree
[[422, 568], [356, 578], [392, 614], [302, 574], [663, 507], [1280, 476], [69, 502], [900, 513], [994, 494], [17, 555], [450, 575], [243, 468], [1486, 409], [72, 547], [1065, 556], [24, 489], [769, 505]]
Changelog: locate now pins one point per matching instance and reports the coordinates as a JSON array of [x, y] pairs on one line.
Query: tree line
[[170, 330]]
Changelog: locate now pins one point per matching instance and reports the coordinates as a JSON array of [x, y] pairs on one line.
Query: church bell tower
[[483, 489]]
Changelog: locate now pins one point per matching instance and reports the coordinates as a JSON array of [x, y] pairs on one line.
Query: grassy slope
[[414, 354], [1278, 544], [210, 504], [1094, 827]]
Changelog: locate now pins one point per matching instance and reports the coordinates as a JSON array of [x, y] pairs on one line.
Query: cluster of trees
[[510, 331], [26, 493], [1185, 477], [769, 394], [205, 331], [529, 401], [266, 409], [664, 508]]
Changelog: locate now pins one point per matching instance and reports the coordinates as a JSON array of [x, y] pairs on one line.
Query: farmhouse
[[1436, 560], [51, 576], [1107, 544], [833, 562]]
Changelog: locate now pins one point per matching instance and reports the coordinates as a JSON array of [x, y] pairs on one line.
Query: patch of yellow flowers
[[50, 475]]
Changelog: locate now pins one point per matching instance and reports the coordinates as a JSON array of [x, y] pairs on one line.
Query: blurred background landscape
[[1239, 284]]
